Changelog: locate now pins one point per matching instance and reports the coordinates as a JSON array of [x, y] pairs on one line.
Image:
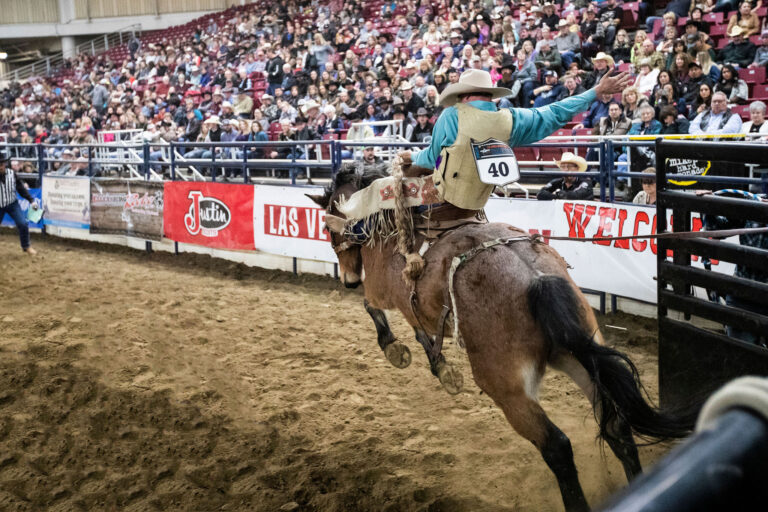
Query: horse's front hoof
[[398, 354], [451, 378]]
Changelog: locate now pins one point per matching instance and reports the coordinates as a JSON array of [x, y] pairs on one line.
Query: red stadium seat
[[582, 131], [760, 92], [713, 17], [526, 154], [717, 30], [742, 111], [752, 75], [562, 133]]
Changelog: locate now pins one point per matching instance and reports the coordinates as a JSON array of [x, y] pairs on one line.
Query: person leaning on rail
[[568, 187], [9, 185]]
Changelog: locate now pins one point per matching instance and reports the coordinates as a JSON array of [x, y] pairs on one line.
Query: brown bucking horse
[[518, 312]]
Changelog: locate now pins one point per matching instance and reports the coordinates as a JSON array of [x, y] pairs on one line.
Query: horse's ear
[[319, 199], [335, 224]]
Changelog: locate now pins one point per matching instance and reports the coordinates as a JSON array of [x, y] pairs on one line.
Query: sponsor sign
[[210, 214], [495, 161], [124, 207], [36, 193], [288, 223], [689, 167], [66, 201], [621, 267]]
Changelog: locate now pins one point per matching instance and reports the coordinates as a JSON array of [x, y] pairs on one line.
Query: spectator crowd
[[303, 70]]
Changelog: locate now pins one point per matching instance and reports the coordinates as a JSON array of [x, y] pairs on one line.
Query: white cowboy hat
[[570, 158], [472, 80], [603, 56], [309, 106], [213, 120], [736, 31]]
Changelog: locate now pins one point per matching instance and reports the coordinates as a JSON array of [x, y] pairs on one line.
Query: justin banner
[[211, 214], [67, 201], [287, 222], [127, 207]]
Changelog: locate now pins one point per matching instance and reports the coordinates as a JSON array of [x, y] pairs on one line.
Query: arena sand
[[131, 381]]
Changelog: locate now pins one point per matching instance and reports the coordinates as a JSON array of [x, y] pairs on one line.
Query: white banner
[[67, 201], [288, 223], [621, 267]]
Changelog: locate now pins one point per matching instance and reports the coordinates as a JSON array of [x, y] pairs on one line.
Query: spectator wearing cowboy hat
[[568, 187], [602, 64], [568, 44], [9, 186], [422, 130], [412, 102], [739, 52], [470, 113]]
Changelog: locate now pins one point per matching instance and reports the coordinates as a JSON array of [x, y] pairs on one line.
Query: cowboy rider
[[472, 115]]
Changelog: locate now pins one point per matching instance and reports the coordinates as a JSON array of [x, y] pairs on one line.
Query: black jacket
[[557, 189]]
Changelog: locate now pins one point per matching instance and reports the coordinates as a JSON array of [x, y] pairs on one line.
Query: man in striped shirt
[[9, 185]]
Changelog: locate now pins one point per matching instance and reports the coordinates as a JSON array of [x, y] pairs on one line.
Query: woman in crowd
[[702, 101], [679, 70], [647, 196], [646, 77], [735, 89], [667, 96], [746, 19], [622, 48], [632, 101]]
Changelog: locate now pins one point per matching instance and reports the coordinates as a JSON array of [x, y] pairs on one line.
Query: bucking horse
[[516, 311]]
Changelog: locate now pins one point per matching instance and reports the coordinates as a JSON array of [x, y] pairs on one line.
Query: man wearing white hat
[[568, 187], [472, 116]]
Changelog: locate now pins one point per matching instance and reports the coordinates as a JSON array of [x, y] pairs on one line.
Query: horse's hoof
[[451, 378], [398, 354]]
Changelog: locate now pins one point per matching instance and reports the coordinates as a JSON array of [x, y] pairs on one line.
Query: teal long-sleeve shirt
[[529, 125]]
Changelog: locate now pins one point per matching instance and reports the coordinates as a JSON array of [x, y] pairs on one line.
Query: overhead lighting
[[3, 55]]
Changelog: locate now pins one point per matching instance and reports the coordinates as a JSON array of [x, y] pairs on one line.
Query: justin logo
[[207, 215]]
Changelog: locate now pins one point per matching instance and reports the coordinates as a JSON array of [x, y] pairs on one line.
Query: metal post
[[609, 167], [40, 164], [213, 164], [245, 164], [90, 161], [106, 42], [173, 163], [93, 48], [614, 304], [602, 157], [292, 171], [145, 151], [764, 184], [47, 65]]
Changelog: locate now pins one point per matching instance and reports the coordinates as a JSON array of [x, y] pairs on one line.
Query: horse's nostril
[[352, 285]]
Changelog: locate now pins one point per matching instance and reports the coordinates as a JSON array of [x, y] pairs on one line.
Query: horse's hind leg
[[397, 353], [618, 434], [449, 376], [512, 383]]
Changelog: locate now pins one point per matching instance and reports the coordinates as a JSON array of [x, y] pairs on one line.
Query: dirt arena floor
[[131, 381]]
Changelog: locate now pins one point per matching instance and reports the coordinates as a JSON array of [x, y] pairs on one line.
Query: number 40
[[503, 170]]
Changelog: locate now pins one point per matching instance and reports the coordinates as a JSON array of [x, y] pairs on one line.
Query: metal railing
[[53, 62]]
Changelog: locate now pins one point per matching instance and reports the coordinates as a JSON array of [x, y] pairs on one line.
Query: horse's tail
[[559, 313]]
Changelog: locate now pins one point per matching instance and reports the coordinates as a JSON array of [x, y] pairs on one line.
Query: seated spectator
[[647, 125], [622, 48], [740, 51], [524, 73], [422, 130], [591, 43], [568, 44], [549, 91], [646, 78], [761, 52], [716, 120], [696, 77], [632, 101], [696, 18], [548, 58], [571, 87], [647, 196], [602, 63], [597, 111], [648, 51], [568, 187], [746, 19], [734, 87], [756, 123], [671, 121], [616, 123], [667, 96], [610, 19], [702, 102]]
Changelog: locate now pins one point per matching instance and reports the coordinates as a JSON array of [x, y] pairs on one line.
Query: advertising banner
[[288, 223], [211, 214], [620, 267], [126, 207], [66, 201], [36, 193]]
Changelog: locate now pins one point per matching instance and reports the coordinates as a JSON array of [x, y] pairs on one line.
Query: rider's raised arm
[[530, 125], [443, 134]]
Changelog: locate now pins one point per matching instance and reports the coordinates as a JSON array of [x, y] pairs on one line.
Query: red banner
[[210, 214]]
